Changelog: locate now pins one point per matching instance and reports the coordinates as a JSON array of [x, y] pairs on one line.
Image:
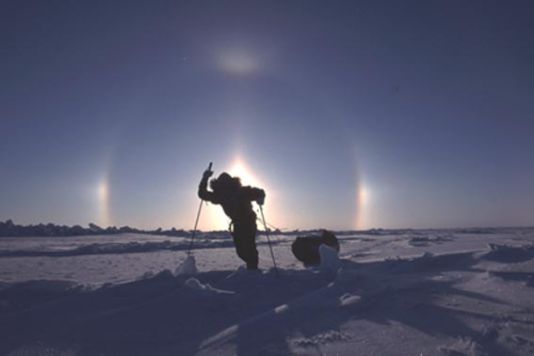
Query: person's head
[[225, 183]]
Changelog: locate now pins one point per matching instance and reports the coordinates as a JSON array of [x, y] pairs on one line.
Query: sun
[[241, 170], [238, 168]]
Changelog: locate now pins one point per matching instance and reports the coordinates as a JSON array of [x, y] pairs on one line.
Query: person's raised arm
[[203, 192], [255, 194]]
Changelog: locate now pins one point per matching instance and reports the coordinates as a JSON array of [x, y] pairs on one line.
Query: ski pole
[[196, 221], [268, 240]]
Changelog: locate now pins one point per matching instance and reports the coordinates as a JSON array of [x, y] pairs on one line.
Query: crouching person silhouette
[[236, 201]]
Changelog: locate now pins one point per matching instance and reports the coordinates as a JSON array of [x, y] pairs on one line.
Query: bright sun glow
[[217, 219], [362, 201], [239, 169], [103, 202], [237, 61]]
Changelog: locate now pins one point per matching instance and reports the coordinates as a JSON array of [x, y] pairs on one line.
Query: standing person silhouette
[[236, 201]]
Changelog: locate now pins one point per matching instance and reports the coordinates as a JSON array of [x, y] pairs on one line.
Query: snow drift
[[453, 296]]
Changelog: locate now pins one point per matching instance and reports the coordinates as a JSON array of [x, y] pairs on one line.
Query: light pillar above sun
[[103, 202]]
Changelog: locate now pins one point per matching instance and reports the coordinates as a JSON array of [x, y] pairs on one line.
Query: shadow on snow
[[160, 315]]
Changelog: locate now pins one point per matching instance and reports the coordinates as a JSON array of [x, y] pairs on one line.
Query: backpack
[[306, 248]]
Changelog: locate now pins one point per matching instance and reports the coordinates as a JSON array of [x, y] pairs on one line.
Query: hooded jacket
[[236, 202]]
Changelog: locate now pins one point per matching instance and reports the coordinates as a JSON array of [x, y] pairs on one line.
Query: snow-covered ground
[[419, 292]]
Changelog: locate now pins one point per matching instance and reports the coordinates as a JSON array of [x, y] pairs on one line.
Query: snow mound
[[242, 271], [349, 299], [194, 283], [509, 254], [430, 239], [188, 266], [463, 346], [330, 262], [427, 262], [321, 339]]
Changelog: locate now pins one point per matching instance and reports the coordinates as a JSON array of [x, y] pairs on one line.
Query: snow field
[[410, 293]]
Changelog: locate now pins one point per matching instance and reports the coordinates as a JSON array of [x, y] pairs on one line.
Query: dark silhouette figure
[[236, 202], [306, 248]]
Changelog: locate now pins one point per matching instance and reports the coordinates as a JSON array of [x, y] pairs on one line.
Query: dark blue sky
[[351, 114]]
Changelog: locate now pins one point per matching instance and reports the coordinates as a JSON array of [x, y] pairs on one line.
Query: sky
[[350, 114]]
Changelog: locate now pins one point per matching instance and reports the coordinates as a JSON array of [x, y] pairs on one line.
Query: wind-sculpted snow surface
[[509, 254], [119, 248], [466, 294], [81, 248], [116, 248]]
